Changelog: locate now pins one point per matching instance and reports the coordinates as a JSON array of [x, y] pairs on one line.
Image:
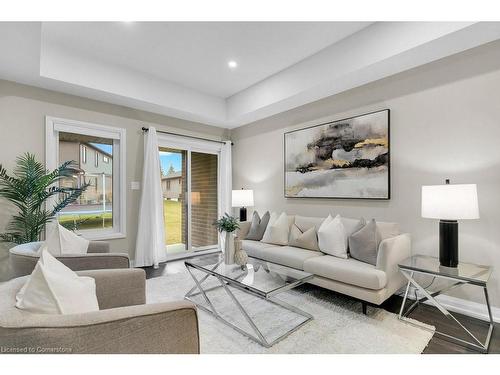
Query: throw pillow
[[277, 232], [305, 240], [62, 241], [361, 223], [53, 288], [332, 238], [363, 245], [272, 219], [258, 226]]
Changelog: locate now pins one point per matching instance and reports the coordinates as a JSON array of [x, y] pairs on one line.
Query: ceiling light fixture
[[232, 64]]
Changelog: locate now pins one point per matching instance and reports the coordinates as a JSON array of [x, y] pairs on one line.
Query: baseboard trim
[[465, 307]]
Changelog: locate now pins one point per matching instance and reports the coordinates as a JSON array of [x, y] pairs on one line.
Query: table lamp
[[449, 203], [243, 199]]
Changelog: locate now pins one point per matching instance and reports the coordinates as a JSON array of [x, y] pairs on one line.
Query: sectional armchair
[[124, 323], [372, 284], [23, 258]]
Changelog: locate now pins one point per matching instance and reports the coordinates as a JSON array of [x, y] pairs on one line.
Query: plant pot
[[229, 248]]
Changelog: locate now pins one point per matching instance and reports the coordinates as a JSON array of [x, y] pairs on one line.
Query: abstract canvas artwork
[[341, 159]]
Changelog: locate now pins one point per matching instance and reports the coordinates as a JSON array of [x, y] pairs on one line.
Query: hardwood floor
[[437, 345], [423, 313]]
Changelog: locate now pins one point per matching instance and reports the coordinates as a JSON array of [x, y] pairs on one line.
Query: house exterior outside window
[[99, 213], [84, 154], [171, 185]]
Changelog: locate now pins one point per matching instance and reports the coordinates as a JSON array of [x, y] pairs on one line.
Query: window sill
[[102, 236]]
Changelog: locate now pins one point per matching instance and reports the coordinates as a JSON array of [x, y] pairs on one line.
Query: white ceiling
[[180, 69], [195, 54]]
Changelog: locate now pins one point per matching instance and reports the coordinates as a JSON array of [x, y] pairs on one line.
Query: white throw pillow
[[53, 288], [62, 241], [332, 237], [267, 233], [277, 231]]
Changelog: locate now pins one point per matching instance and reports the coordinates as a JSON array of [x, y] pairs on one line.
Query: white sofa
[[369, 283]]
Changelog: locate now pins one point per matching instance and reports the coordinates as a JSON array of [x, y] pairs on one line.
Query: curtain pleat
[[150, 245]]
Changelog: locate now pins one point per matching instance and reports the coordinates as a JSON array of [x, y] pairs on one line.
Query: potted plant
[[226, 225], [29, 188]]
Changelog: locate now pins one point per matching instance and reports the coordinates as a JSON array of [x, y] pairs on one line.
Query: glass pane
[[94, 160], [464, 271], [258, 275], [203, 200], [173, 183]]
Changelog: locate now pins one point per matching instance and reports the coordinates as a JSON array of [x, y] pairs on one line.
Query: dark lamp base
[[448, 243], [243, 214]]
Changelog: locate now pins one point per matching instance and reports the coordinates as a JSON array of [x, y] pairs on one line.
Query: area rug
[[338, 325]]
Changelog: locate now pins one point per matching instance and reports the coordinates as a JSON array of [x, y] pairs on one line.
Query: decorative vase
[[229, 248], [240, 257]]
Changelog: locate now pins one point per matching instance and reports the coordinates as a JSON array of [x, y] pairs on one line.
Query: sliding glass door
[[204, 200], [190, 197], [174, 188]]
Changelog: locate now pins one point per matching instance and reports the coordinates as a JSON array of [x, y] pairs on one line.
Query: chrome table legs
[[256, 333], [427, 296]]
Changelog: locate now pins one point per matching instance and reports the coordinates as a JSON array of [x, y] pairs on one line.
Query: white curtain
[[225, 176], [225, 182], [150, 244]]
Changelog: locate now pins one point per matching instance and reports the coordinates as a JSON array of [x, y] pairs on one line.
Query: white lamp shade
[[450, 202], [242, 198]]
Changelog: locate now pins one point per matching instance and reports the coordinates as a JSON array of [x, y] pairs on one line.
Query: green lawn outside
[[87, 221], [172, 212]]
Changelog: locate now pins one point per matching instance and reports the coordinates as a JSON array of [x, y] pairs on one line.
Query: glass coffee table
[[258, 278]]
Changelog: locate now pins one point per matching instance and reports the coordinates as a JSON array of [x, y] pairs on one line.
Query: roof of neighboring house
[[172, 175], [97, 149]]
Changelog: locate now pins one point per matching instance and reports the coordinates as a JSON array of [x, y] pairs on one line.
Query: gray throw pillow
[[258, 226], [361, 223], [363, 244]]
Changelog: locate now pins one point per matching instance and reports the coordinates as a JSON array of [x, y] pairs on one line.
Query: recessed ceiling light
[[232, 64]]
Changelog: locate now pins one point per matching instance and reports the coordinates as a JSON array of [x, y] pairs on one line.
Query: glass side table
[[465, 273]]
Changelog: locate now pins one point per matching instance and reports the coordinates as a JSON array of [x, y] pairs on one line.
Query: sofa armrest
[[118, 287], [94, 261], [98, 247], [244, 229], [23, 264], [170, 327], [391, 252]]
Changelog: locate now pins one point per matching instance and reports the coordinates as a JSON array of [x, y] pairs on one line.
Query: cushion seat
[[349, 271], [289, 256], [254, 248]]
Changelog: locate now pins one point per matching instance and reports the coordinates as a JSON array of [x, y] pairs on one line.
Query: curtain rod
[[144, 129]]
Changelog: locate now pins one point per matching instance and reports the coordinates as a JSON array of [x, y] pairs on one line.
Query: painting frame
[[386, 198]]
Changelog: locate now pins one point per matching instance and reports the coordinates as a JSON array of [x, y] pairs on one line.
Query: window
[[105, 159], [99, 213], [168, 184], [84, 154]]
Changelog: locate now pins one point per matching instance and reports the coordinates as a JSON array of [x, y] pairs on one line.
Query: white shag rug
[[338, 325]]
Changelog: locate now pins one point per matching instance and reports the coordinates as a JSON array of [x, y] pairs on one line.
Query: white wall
[[22, 129], [445, 123]]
